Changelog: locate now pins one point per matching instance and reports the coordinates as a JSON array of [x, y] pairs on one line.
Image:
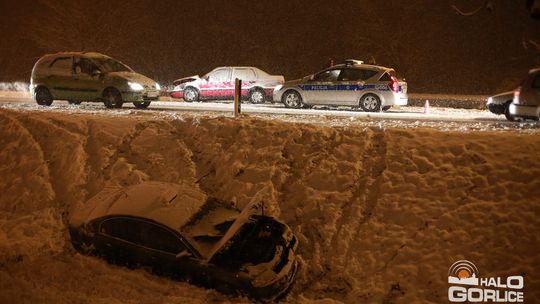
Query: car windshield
[[108, 65]]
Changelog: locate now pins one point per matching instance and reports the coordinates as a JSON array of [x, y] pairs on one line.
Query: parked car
[[353, 83], [526, 102], [257, 85], [176, 231], [85, 76], [498, 104]]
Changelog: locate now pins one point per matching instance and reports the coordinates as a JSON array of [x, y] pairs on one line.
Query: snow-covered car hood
[[133, 77], [296, 81], [186, 79]]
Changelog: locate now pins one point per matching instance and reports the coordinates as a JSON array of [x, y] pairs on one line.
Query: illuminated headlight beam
[[134, 86]]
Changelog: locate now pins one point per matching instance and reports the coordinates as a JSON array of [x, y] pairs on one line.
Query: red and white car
[[257, 85]]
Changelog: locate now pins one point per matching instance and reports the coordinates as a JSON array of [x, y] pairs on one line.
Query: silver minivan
[[87, 76]]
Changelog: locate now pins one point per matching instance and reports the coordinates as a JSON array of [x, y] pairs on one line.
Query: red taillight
[[517, 92], [394, 85]]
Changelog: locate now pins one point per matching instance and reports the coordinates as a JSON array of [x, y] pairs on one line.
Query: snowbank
[[380, 213]]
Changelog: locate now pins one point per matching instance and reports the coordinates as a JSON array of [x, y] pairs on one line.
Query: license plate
[[152, 94]]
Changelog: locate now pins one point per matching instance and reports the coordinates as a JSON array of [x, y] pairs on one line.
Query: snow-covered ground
[[382, 207]]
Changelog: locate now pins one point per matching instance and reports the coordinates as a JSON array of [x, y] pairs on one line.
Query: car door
[[141, 242], [218, 85], [167, 252], [117, 239], [248, 77], [86, 82], [60, 77], [321, 88], [351, 83]]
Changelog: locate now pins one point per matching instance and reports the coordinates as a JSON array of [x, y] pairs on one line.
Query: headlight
[[158, 87], [490, 100], [278, 87], [135, 86]]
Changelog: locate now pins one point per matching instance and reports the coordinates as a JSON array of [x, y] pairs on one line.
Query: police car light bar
[[353, 61]]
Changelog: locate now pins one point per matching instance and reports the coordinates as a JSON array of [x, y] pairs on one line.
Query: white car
[[526, 102], [257, 85], [353, 83]]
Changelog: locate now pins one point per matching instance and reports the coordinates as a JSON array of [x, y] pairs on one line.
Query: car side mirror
[[183, 253], [96, 72]]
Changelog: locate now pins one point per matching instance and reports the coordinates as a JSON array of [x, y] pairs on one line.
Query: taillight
[[517, 92], [394, 85]]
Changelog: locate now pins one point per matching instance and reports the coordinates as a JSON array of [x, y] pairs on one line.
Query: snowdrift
[[380, 214]]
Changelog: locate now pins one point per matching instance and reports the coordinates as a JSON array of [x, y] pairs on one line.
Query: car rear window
[[356, 74], [244, 74], [386, 76]]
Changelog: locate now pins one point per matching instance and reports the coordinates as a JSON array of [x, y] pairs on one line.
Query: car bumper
[[496, 108], [276, 95], [176, 94], [401, 101], [281, 281], [395, 99], [524, 110], [130, 96]]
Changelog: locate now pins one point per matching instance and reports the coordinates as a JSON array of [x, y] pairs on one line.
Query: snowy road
[[412, 117]]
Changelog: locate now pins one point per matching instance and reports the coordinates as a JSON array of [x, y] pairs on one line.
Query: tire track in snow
[[360, 208]]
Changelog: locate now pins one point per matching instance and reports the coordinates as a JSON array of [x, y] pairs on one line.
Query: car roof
[[166, 203], [85, 54], [368, 66], [237, 67]]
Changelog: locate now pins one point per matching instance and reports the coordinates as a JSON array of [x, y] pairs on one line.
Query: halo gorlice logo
[[479, 289]]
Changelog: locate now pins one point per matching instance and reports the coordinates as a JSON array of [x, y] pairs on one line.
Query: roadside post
[[237, 97]]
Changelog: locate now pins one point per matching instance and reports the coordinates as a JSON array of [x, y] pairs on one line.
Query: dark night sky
[[436, 49]]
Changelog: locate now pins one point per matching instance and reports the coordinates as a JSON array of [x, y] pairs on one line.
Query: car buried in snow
[[369, 87], [176, 231], [257, 85], [90, 76], [498, 104]]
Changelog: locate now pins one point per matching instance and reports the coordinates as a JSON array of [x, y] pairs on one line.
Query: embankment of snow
[[381, 214]]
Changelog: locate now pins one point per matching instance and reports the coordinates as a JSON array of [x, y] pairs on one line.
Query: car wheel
[[257, 96], [370, 103], [386, 108], [74, 102], [141, 105], [507, 114], [43, 97], [292, 99], [191, 94], [112, 98]]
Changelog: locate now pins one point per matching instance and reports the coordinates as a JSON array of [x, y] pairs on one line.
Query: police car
[[370, 87]]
